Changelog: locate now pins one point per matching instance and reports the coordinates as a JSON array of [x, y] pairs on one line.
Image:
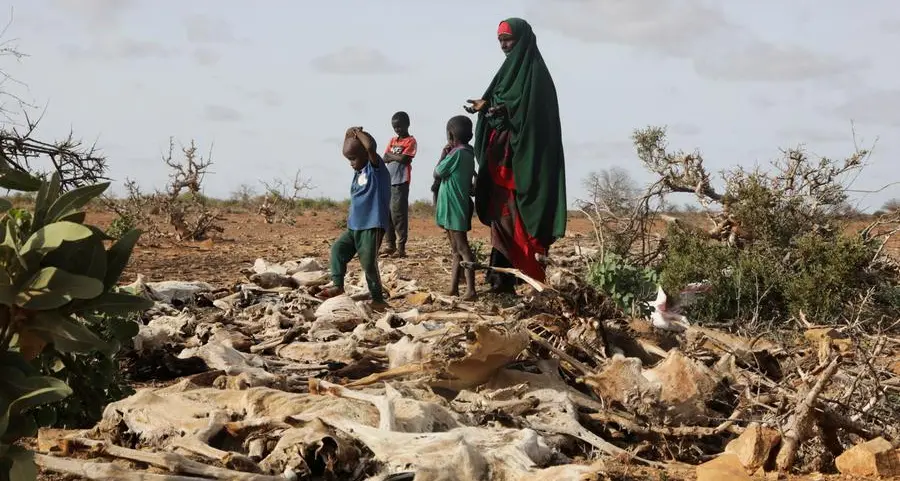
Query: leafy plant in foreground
[[629, 286], [56, 278]]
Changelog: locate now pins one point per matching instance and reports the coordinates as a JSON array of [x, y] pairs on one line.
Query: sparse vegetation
[[58, 286], [282, 202], [776, 249]]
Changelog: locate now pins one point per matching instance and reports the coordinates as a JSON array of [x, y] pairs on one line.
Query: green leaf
[[5, 205], [52, 236], [14, 179], [118, 255], [53, 287], [75, 199], [46, 195], [86, 257], [113, 303], [123, 329], [37, 390], [100, 233], [23, 467], [11, 239], [76, 217], [66, 334]]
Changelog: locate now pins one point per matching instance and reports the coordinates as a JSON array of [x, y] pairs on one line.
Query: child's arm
[[447, 166], [368, 143], [405, 157]]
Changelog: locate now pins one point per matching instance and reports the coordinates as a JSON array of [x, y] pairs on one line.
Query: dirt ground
[[246, 237]]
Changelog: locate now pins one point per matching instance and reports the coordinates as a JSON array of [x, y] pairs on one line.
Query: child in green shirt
[[453, 208]]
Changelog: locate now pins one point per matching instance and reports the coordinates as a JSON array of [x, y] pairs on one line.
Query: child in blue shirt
[[370, 199]]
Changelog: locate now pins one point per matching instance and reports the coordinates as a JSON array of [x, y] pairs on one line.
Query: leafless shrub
[[244, 195], [76, 164], [281, 199], [182, 206]]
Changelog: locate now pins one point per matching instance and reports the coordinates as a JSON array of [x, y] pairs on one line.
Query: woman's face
[[507, 42]]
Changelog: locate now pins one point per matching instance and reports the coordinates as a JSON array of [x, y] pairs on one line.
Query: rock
[[685, 386], [755, 446], [871, 458], [726, 467], [419, 298]]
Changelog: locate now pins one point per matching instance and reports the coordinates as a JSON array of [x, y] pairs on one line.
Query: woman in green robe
[[520, 191]]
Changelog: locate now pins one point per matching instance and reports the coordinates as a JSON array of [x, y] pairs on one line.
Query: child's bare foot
[[470, 296], [330, 292]]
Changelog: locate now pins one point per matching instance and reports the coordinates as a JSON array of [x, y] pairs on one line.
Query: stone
[[871, 458], [754, 446], [726, 467]]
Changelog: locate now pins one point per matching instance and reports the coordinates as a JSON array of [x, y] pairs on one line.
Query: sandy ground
[[247, 237]]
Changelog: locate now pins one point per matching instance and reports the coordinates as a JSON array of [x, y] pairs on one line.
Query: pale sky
[[273, 84]]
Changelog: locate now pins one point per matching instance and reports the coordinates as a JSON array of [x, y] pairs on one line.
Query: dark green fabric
[[365, 243], [524, 85]]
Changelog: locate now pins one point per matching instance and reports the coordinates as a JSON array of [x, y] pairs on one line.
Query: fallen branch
[[800, 422], [584, 368]]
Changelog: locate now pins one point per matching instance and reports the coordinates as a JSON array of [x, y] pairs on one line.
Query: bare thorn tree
[[76, 164], [184, 205], [280, 199]]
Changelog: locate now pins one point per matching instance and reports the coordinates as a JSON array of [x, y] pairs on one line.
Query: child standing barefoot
[[453, 209], [370, 197]]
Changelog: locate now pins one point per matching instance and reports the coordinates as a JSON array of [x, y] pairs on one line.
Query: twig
[[800, 422], [584, 368]]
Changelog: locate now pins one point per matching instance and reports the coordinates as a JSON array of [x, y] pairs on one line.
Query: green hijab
[[523, 84]]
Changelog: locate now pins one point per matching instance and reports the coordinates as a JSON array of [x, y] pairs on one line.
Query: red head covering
[[504, 29]]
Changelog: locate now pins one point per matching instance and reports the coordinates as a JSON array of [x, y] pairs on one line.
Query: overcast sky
[[273, 84]]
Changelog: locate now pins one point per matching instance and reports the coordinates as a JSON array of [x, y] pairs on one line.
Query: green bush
[[629, 286], [56, 279], [121, 225], [816, 273]]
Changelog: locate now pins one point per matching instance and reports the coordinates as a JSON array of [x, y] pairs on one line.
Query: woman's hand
[[445, 151], [476, 105]]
